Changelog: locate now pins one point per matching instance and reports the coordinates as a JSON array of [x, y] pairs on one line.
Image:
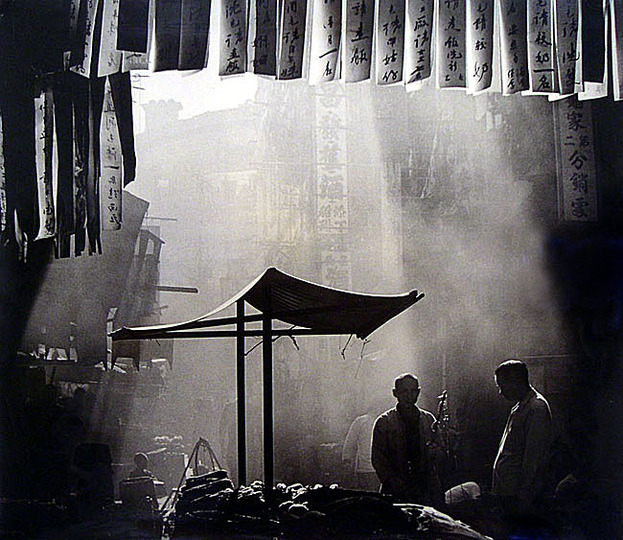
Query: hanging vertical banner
[[74, 7], [133, 25], [451, 44], [111, 165], [3, 202], [44, 133], [575, 156], [359, 20], [513, 47], [109, 60], [167, 35], [418, 36], [140, 60], [390, 41], [566, 27], [292, 16], [593, 40], [82, 55], [479, 44], [541, 51], [325, 40], [194, 34], [233, 49], [616, 26], [264, 43]]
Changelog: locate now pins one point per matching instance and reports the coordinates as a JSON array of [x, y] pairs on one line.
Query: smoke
[[447, 193]]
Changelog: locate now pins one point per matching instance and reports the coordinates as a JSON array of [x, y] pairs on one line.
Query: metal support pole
[[267, 363], [240, 394]]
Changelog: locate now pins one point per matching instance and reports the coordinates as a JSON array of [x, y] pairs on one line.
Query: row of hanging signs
[[538, 46]]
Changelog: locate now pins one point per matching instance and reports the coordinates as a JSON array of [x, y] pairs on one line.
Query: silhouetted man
[[401, 440], [519, 468]]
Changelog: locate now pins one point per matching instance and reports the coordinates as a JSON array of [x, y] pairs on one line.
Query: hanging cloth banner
[[167, 35], [325, 40], [82, 55], [233, 49], [121, 89], [109, 60], [575, 160], [479, 45], [566, 26], [111, 165], [292, 17], [390, 41], [96, 104], [513, 48], [140, 60], [194, 34], [63, 120], [3, 202], [541, 50], [264, 42], [74, 42], [133, 25], [593, 40], [451, 44], [44, 133], [616, 25], [357, 38], [80, 96], [418, 39]]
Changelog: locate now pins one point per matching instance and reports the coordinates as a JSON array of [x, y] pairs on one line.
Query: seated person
[[141, 461]]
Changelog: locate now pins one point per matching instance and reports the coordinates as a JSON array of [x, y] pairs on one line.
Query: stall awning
[[297, 302]]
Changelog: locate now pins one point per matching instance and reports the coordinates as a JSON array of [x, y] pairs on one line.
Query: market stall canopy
[[294, 301]]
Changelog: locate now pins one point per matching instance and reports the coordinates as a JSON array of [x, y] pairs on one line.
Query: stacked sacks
[[201, 495]]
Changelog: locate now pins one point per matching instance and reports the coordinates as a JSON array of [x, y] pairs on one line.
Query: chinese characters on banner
[[83, 54], [292, 15], [110, 165], [332, 184], [109, 60], [167, 35], [325, 40], [418, 36], [359, 18], [264, 44], [390, 41], [44, 161], [616, 26], [541, 61], [194, 33], [233, 48], [479, 45], [566, 24], [575, 161], [513, 49], [3, 202], [451, 44]]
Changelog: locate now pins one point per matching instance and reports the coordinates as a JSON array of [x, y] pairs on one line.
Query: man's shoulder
[[388, 416], [539, 404]]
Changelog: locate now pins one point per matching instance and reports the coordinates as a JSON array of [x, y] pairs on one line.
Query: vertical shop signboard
[[325, 40], [541, 47], [194, 34], [44, 162], [357, 39], [479, 45], [566, 26], [111, 163], [264, 43], [575, 156]]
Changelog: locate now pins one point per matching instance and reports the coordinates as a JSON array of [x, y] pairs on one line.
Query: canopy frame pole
[[240, 393], [267, 368]]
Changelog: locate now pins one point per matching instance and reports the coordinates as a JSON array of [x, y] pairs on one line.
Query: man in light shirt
[[357, 453], [521, 461]]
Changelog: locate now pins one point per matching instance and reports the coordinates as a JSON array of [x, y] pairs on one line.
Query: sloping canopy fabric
[[297, 302]]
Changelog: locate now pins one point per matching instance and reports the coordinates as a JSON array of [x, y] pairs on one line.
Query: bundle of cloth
[[210, 503]]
